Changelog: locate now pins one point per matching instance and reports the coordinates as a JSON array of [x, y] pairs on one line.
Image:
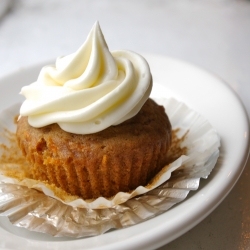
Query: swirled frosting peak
[[89, 90]]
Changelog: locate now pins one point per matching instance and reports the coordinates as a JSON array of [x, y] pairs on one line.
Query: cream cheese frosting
[[89, 90]]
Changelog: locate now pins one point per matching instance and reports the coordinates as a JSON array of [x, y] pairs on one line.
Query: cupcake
[[88, 126]]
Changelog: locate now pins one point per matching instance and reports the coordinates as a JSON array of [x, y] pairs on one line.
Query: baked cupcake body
[[119, 158]]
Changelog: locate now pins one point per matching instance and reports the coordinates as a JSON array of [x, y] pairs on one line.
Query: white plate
[[202, 92]]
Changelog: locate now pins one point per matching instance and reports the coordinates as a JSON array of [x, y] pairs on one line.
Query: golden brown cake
[[119, 158]]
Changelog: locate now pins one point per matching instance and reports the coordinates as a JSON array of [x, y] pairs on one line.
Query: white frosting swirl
[[89, 90]]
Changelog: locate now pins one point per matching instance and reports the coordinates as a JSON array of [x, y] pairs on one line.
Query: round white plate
[[202, 92]]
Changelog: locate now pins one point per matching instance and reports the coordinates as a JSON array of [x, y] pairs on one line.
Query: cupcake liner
[[44, 212]]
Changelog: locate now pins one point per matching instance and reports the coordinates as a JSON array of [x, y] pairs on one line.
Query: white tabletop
[[212, 34]]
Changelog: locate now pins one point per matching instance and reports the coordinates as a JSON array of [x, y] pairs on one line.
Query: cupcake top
[[89, 90]]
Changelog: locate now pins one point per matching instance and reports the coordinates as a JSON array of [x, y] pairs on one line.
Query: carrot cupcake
[[88, 126]]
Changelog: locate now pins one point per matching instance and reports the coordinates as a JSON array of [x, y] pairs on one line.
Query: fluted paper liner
[[44, 212]]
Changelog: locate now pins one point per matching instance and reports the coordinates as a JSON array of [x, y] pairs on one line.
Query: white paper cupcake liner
[[31, 209]]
